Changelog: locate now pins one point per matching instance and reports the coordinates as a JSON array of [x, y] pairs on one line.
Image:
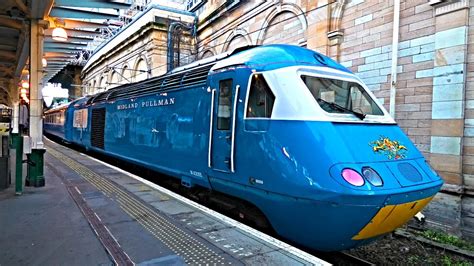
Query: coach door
[[223, 119]]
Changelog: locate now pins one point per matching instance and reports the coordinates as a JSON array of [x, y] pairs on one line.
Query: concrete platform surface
[[91, 213]]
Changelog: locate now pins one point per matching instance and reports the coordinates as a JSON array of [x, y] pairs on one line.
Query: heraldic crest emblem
[[393, 149]]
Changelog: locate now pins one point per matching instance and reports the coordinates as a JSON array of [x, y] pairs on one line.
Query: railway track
[[348, 259], [453, 250], [340, 258]]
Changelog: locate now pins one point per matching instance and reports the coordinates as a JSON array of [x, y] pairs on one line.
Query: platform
[[91, 213]]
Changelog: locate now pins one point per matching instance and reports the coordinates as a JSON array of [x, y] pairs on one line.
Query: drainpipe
[[393, 81]]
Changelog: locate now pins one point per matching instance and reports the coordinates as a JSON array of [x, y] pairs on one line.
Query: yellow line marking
[[173, 237]]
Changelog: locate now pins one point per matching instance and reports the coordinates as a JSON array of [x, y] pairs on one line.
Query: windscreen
[[339, 96]]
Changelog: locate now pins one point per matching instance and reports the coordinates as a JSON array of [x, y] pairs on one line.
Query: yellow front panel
[[391, 217]]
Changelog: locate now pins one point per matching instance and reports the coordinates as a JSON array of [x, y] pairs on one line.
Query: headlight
[[352, 177], [372, 176]]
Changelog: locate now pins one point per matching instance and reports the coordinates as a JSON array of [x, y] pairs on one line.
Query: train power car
[[283, 128]]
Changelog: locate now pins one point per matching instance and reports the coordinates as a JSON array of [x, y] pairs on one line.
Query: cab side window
[[261, 98], [224, 106]]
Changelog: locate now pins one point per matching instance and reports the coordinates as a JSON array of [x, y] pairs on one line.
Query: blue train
[[288, 131]]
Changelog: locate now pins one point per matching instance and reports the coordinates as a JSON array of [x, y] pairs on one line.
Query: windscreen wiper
[[361, 116]]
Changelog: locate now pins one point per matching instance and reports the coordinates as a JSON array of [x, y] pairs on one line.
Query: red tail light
[[352, 177]]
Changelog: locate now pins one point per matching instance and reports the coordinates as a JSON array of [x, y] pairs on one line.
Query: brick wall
[[433, 104], [468, 139], [367, 50], [435, 96], [257, 22]]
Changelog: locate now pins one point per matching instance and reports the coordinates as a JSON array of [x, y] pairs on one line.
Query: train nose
[[408, 186]]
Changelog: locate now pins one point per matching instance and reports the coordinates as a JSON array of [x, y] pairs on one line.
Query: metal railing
[[126, 17]]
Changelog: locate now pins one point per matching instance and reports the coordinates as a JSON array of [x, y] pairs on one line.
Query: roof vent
[[320, 58]]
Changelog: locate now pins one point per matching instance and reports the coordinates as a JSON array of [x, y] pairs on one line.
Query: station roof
[[82, 20]]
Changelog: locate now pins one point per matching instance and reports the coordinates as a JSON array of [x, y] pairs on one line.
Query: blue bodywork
[[297, 164]]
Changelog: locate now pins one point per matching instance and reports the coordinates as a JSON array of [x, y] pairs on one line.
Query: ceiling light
[[59, 34]]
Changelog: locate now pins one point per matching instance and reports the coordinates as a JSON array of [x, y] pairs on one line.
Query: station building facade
[[139, 50], [432, 76]]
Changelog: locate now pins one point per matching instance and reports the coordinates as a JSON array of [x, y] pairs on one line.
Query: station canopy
[[83, 21]]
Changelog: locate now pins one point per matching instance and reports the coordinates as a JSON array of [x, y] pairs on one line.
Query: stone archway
[[103, 83], [126, 76], [140, 69], [286, 23], [114, 79], [337, 10], [237, 38], [335, 33], [94, 88], [207, 52]]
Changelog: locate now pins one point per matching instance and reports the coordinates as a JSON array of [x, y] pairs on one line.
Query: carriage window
[[224, 106], [261, 98], [338, 96]]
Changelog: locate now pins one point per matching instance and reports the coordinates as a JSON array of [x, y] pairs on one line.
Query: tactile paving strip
[[183, 244], [114, 249]]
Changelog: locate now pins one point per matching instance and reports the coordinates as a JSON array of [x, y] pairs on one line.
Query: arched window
[[236, 42], [237, 38], [114, 80], [284, 28], [207, 54], [284, 24], [126, 75], [140, 71], [103, 85], [94, 87]]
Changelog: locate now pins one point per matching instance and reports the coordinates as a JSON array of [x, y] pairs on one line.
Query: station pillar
[[36, 162]]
